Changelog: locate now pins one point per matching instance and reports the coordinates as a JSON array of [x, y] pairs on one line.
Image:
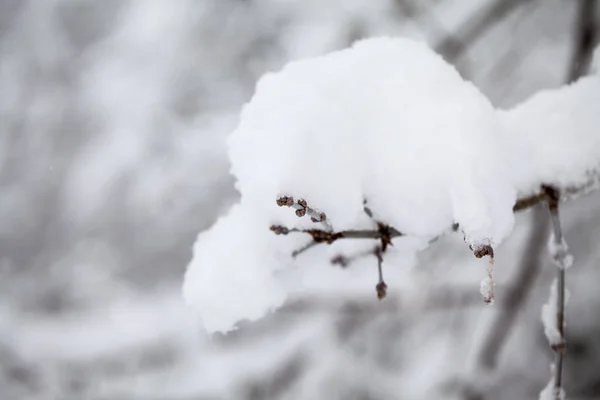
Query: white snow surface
[[555, 139], [389, 121]]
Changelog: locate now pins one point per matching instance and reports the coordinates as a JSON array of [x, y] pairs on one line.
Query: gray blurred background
[[113, 121]]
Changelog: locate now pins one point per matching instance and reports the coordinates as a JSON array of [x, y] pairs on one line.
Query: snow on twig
[[553, 312]]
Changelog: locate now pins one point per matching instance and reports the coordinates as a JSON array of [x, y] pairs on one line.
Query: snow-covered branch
[[390, 121]]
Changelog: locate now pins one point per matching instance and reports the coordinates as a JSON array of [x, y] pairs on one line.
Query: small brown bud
[[301, 212], [340, 260], [303, 203], [481, 251], [285, 201], [381, 290], [320, 217], [279, 229]]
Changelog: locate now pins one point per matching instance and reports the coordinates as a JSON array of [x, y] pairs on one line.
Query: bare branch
[[453, 46]]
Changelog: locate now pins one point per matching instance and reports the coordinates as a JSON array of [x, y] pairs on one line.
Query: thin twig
[[302, 249], [303, 209], [514, 296], [345, 261], [330, 237], [553, 199], [381, 287], [384, 233]]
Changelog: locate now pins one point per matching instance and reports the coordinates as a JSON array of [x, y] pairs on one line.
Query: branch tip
[[482, 251], [322, 217], [279, 229], [340, 260], [286, 201], [381, 289]]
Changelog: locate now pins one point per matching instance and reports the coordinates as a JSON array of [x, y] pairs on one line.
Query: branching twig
[[383, 233], [321, 236]]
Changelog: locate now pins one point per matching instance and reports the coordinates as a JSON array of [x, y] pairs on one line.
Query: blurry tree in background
[[113, 120]]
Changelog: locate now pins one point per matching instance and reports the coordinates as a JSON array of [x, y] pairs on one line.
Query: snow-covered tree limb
[[386, 120]]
